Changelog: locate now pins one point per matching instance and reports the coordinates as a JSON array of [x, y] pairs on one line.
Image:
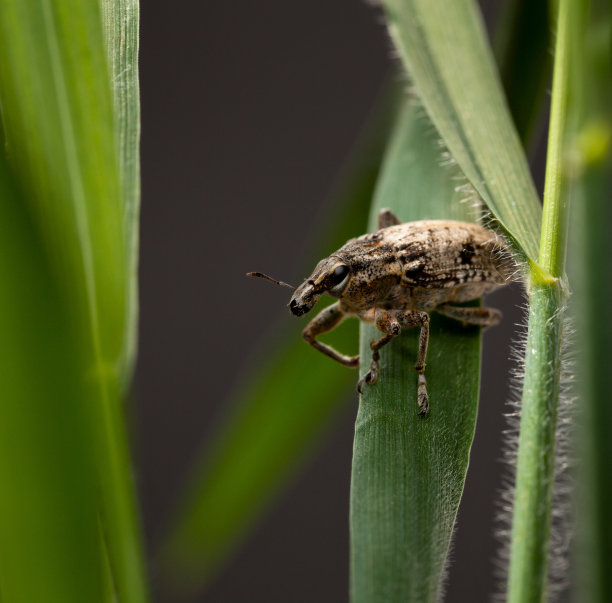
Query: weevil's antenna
[[269, 278]]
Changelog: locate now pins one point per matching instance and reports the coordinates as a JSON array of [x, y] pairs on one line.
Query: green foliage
[[49, 540], [69, 186], [121, 26], [443, 45], [408, 471], [77, 177]]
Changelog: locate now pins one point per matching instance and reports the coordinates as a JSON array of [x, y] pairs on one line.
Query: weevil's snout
[[296, 309], [303, 299]]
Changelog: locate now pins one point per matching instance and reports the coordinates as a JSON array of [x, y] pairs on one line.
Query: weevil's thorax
[[375, 271]]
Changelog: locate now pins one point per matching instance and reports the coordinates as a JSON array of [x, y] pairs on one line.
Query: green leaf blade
[[48, 511], [61, 139], [57, 112], [444, 47], [408, 471], [121, 19]]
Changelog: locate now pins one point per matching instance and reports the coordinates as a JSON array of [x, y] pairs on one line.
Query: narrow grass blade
[[49, 538], [278, 414], [61, 139], [121, 26], [443, 45], [408, 471]]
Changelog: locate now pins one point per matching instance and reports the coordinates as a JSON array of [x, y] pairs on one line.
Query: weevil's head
[[330, 276]]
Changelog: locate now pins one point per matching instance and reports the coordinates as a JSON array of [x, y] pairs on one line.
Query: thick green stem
[[536, 460], [536, 453]]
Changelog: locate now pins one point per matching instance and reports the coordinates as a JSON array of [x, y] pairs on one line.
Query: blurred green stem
[[592, 247]]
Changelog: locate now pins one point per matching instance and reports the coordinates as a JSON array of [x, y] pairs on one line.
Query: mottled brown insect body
[[395, 276]]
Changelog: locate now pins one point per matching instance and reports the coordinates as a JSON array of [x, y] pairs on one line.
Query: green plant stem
[[536, 457], [536, 454], [555, 213]]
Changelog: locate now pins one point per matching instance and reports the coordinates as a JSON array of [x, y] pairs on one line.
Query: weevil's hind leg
[[390, 326], [324, 321], [387, 218], [481, 317], [414, 318]]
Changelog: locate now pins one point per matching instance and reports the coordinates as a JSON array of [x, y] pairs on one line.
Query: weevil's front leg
[[388, 324], [387, 218], [413, 318], [482, 317], [324, 321]]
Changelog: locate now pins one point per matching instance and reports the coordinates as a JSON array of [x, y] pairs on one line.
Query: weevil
[[395, 277]]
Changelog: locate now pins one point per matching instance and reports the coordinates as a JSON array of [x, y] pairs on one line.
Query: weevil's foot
[[422, 397], [370, 378]]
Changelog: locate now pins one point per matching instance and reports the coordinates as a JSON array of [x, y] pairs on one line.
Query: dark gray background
[[248, 111]]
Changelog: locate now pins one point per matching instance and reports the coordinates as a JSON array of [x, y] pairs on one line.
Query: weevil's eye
[[339, 274]]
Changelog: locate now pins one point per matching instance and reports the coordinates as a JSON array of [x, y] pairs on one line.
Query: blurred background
[[249, 111]]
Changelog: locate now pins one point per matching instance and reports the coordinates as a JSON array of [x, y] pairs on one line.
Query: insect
[[395, 277]]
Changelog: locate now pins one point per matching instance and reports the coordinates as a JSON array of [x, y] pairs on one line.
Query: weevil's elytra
[[396, 276]]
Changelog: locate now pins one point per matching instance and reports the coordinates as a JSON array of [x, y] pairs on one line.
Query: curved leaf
[[409, 471], [444, 47]]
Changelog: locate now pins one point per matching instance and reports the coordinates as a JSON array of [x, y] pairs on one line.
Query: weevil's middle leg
[[413, 318], [388, 324], [326, 320]]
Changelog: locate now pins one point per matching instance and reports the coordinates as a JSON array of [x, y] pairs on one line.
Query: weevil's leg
[[482, 317], [389, 325], [413, 318], [387, 218], [324, 321]]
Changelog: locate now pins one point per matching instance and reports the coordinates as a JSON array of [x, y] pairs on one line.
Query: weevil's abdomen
[[444, 254], [445, 261]]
